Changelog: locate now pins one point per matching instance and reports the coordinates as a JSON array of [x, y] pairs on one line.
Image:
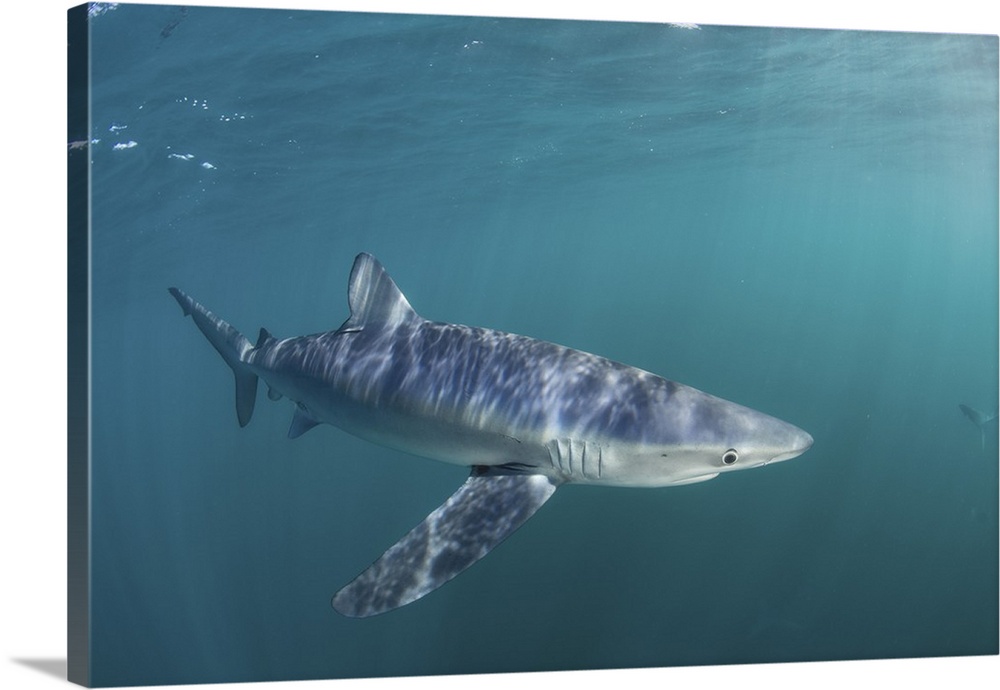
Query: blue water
[[804, 222]]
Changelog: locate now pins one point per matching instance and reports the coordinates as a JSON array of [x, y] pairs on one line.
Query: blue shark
[[526, 415], [980, 419]]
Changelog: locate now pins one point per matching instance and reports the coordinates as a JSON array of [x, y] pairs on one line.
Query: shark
[[526, 415], [980, 419]]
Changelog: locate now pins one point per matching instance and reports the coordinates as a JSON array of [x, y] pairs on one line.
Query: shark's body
[[525, 414]]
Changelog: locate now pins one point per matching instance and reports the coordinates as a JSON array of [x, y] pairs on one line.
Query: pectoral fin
[[489, 506]]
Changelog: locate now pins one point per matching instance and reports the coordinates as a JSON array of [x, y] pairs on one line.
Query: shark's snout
[[798, 444]]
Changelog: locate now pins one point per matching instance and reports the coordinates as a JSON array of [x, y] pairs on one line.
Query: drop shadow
[[50, 667]]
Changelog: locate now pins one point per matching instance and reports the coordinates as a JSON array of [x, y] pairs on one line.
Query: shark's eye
[[730, 456]]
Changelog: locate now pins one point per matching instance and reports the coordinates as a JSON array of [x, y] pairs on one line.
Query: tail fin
[[980, 419], [233, 347]]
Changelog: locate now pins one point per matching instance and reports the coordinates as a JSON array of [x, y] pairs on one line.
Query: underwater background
[[801, 221]]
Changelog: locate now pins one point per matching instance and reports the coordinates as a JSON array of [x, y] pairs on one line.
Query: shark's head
[[697, 436], [754, 439], [722, 436]]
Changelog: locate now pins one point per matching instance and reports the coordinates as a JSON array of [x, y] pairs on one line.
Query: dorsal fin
[[264, 338], [374, 297]]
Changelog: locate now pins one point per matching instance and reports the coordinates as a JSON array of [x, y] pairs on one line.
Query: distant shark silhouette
[[526, 415], [980, 419]]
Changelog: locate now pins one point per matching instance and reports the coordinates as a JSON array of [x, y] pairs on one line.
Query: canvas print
[[411, 345]]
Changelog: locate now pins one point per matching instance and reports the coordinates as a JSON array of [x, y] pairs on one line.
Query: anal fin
[[489, 507]]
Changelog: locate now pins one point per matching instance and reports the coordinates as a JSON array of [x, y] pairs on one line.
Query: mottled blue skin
[[475, 396]]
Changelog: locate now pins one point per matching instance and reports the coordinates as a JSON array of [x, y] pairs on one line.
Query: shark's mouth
[[787, 456]]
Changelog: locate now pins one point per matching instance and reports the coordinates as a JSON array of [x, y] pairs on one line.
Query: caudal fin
[[233, 347]]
